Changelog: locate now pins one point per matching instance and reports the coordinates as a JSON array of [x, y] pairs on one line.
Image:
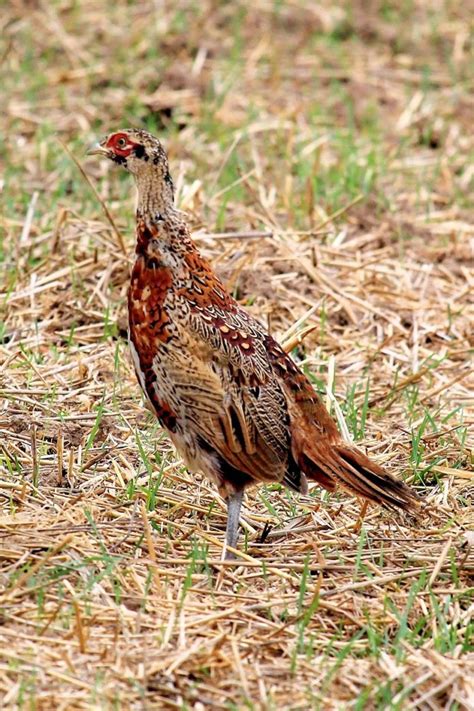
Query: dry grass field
[[324, 154]]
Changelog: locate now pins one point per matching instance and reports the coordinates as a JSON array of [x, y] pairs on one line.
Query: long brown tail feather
[[347, 466], [316, 474]]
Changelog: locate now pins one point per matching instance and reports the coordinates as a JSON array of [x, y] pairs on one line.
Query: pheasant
[[235, 405]]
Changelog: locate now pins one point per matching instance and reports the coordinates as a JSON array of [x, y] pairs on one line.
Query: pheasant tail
[[337, 463]]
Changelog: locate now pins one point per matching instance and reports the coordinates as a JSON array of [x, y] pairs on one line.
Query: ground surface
[[336, 140]]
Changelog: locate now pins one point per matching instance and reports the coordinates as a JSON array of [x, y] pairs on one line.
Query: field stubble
[[334, 144]]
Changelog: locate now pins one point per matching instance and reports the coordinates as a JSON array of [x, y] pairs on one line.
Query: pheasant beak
[[97, 150]]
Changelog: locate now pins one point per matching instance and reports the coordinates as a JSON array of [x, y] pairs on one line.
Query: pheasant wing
[[238, 408]]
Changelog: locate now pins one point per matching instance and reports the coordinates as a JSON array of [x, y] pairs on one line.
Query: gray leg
[[234, 504]]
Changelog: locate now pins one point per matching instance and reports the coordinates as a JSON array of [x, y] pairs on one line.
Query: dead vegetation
[[334, 144]]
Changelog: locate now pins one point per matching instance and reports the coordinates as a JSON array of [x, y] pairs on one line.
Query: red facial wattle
[[120, 144]]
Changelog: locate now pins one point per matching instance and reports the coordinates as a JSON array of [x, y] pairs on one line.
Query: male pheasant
[[235, 405]]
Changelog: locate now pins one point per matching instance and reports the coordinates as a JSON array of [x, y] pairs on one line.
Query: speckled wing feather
[[250, 427]]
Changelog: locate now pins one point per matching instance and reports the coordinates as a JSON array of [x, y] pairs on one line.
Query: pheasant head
[[142, 155]]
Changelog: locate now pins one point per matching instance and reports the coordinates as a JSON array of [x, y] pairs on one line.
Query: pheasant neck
[[155, 193]]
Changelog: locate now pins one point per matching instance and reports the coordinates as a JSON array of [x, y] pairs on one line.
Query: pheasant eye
[[121, 143]]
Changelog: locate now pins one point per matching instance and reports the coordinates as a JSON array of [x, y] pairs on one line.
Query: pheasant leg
[[234, 504]]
